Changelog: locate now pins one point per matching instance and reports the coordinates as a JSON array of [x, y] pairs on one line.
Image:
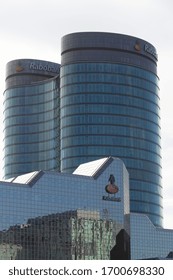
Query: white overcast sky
[[33, 29]]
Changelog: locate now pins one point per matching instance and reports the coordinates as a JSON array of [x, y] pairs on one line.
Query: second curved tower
[[110, 107]]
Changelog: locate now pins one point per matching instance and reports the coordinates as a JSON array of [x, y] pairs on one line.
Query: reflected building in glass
[[31, 117], [50, 215], [109, 106], [46, 215]]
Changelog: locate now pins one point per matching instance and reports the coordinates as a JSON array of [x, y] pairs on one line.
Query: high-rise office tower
[[110, 106], [31, 108]]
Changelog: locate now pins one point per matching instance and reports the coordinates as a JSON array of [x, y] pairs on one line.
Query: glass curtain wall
[[110, 107]]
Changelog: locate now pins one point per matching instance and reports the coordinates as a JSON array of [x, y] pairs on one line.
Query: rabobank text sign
[[44, 67]]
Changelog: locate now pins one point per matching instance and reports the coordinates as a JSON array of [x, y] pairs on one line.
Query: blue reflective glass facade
[[54, 216], [31, 117], [109, 106], [148, 241], [48, 215]]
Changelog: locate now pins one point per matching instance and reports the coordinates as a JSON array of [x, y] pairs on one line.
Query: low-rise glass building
[[80, 216], [49, 215]]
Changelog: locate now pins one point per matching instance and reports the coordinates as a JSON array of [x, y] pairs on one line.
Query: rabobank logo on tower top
[[46, 67]]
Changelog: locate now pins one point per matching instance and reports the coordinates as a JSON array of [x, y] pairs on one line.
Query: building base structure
[[80, 216]]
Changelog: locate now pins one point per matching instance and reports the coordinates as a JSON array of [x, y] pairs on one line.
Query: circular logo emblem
[[111, 188], [19, 68], [137, 47]]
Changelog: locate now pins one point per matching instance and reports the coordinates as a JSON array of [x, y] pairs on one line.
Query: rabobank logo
[[19, 68], [137, 46], [44, 67], [111, 188]]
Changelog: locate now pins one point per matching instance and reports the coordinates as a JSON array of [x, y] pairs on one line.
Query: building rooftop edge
[[107, 33], [32, 59]]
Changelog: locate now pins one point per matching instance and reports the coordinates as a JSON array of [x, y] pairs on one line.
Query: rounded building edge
[[80, 45], [107, 40], [29, 68]]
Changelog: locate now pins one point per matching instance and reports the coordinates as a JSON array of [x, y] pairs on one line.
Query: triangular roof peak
[[93, 168], [26, 179]]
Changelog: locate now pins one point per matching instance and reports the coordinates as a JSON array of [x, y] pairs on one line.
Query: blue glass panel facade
[[147, 241], [31, 117], [109, 106], [51, 215]]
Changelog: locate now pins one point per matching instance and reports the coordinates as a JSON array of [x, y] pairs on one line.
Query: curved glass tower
[[109, 106], [31, 111]]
